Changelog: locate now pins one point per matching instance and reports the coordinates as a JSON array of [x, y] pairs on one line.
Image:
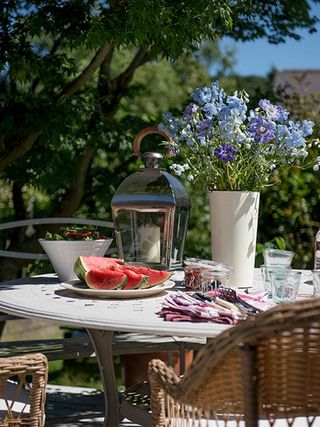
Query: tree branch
[[86, 74], [104, 83], [120, 83], [53, 50], [19, 150], [72, 199], [107, 89], [27, 142]]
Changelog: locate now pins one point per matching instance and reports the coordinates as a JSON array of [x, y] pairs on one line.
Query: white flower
[[316, 167], [190, 177], [178, 169]]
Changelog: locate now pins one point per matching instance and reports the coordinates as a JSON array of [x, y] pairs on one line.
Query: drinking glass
[[281, 269], [277, 257], [316, 282], [284, 287]]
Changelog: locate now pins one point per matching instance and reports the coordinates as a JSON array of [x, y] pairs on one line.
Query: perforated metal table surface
[[43, 297]]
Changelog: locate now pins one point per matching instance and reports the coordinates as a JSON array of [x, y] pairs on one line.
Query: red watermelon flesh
[[99, 262], [135, 280], [154, 276], [105, 280], [96, 263]]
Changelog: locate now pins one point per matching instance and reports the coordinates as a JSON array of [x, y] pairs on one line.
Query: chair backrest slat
[[42, 221], [60, 220]]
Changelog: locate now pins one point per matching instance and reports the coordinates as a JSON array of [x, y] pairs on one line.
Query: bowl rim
[[41, 239]]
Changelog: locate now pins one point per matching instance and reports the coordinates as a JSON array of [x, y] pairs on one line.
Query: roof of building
[[303, 82]]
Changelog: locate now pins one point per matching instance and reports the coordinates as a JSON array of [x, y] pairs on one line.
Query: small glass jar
[[214, 277], [193, 277], [202, 275]]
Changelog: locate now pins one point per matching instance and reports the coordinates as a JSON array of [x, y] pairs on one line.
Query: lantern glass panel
[[150, 211]]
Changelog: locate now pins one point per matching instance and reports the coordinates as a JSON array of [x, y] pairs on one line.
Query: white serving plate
[[78, 287]]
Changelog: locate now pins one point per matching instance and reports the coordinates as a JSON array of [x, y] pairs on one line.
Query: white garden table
[[43, 297]]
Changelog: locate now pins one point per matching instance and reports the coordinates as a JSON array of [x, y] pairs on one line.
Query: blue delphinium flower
[[237, 105], [262, 130], [172, 151], [215, 91], [282, 132], [209, 110], [171, 125], [202, 140], [216, 129], [228, 130], [224, 113], [307, 127], [202, 95], [294, 138], [168, 116], [189, 112], [273, 112], [204, 127], [225, 153]]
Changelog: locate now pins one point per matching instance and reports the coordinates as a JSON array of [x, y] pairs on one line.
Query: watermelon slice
[[154, 276], [135, 280], [106, 280], [96, 263], [101, 274]]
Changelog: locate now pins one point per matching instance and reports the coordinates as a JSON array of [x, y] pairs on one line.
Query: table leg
[[102, 344]]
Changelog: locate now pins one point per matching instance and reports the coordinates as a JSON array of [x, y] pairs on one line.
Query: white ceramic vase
[[234, 223], [64, 253]]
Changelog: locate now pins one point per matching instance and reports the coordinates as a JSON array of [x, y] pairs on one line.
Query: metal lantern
[[150, 213]]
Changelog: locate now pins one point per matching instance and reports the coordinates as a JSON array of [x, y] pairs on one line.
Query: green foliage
[[269, 19], [75, 233], [68, 122]]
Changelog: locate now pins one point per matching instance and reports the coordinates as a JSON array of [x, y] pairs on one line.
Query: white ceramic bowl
[[64, 253]]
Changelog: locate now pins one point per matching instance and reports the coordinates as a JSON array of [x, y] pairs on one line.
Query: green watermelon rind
[[141, 285], [121, 285]]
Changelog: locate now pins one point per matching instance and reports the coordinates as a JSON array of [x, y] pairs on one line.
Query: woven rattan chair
[[23, 381], [267, 368]]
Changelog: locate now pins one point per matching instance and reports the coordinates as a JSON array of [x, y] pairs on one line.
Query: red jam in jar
[[193, 277]]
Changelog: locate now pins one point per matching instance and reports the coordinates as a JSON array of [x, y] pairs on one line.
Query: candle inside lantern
[[149, 237]]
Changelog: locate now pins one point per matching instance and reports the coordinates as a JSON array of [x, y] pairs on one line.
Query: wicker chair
[[23, 381], [265, 368]]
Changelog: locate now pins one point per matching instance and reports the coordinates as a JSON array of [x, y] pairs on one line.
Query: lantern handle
[[147, 131]]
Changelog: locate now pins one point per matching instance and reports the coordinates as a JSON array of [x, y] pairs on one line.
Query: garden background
[[78, 80]]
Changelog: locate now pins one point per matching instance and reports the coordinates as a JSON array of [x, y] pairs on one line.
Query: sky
[[259, 57]]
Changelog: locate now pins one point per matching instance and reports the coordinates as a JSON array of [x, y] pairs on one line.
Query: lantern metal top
[[144, 132], [151, 160]]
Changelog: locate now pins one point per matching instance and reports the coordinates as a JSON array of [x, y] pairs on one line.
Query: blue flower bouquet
[[229, 147]]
